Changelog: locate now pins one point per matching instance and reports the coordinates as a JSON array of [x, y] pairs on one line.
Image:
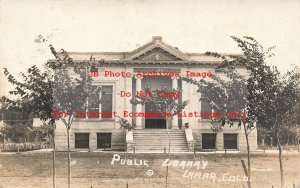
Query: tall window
[[106, 105], [205, 109], [100, 103], [82, 140], [94, 101]]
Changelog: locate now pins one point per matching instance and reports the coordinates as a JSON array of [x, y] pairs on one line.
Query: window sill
[[231, 149], [104, 149], [208, 150], [82, 149]]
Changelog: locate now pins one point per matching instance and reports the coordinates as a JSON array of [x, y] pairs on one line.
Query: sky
[[123, 25]]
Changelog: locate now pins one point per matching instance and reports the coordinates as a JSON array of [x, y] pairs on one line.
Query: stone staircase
[[155, 140]]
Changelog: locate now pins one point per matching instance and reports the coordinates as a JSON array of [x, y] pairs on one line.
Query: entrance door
[[154, 122]]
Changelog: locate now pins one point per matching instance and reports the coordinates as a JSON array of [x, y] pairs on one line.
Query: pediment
[[157, 54], [156, 50]]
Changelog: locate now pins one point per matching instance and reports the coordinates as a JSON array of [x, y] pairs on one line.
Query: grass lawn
[[95, 170]]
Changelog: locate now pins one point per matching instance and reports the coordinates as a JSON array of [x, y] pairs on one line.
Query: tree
[[70, 93], [298, 112], [227, 95], [268, 88], [35, 97], [260, 85], [284, 107], [42, 91], [17, 122]]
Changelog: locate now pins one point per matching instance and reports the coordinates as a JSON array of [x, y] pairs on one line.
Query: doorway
[[154, 122]]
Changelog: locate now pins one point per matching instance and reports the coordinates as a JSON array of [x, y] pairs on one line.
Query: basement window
[[209, 141], [82, 140], [230, 141], [103, 140]]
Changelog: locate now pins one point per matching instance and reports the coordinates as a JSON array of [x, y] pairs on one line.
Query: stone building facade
[[118, 77]]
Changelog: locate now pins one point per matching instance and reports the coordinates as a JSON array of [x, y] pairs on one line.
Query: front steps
[[157, 140]]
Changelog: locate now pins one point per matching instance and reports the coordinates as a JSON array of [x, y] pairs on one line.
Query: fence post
[[298, 145], [263, 144], [165, 150], [167, 171], [271, 142], [134, 149]]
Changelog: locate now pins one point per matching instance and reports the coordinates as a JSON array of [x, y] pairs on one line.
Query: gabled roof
[[153, 51], [157, 43]]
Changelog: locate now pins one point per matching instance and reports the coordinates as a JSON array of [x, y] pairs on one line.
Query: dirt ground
[[91, 170]]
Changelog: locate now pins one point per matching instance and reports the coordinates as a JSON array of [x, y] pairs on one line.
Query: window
[[94, 101], [106, 105], [82, 140], [104, 140], [230, 141], [100, 103], [206, 110], [209, 141]]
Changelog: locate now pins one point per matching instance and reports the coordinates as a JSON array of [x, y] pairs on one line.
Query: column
[[128, 88], [138, 86], [175, 117]]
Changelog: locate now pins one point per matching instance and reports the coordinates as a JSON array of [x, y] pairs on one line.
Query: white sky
[[192, 26]]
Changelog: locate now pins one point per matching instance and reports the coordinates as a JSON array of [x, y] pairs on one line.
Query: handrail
[[169, 137], [169, 143]]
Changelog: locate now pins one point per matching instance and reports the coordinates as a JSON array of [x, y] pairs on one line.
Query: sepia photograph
[[149, 94]]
